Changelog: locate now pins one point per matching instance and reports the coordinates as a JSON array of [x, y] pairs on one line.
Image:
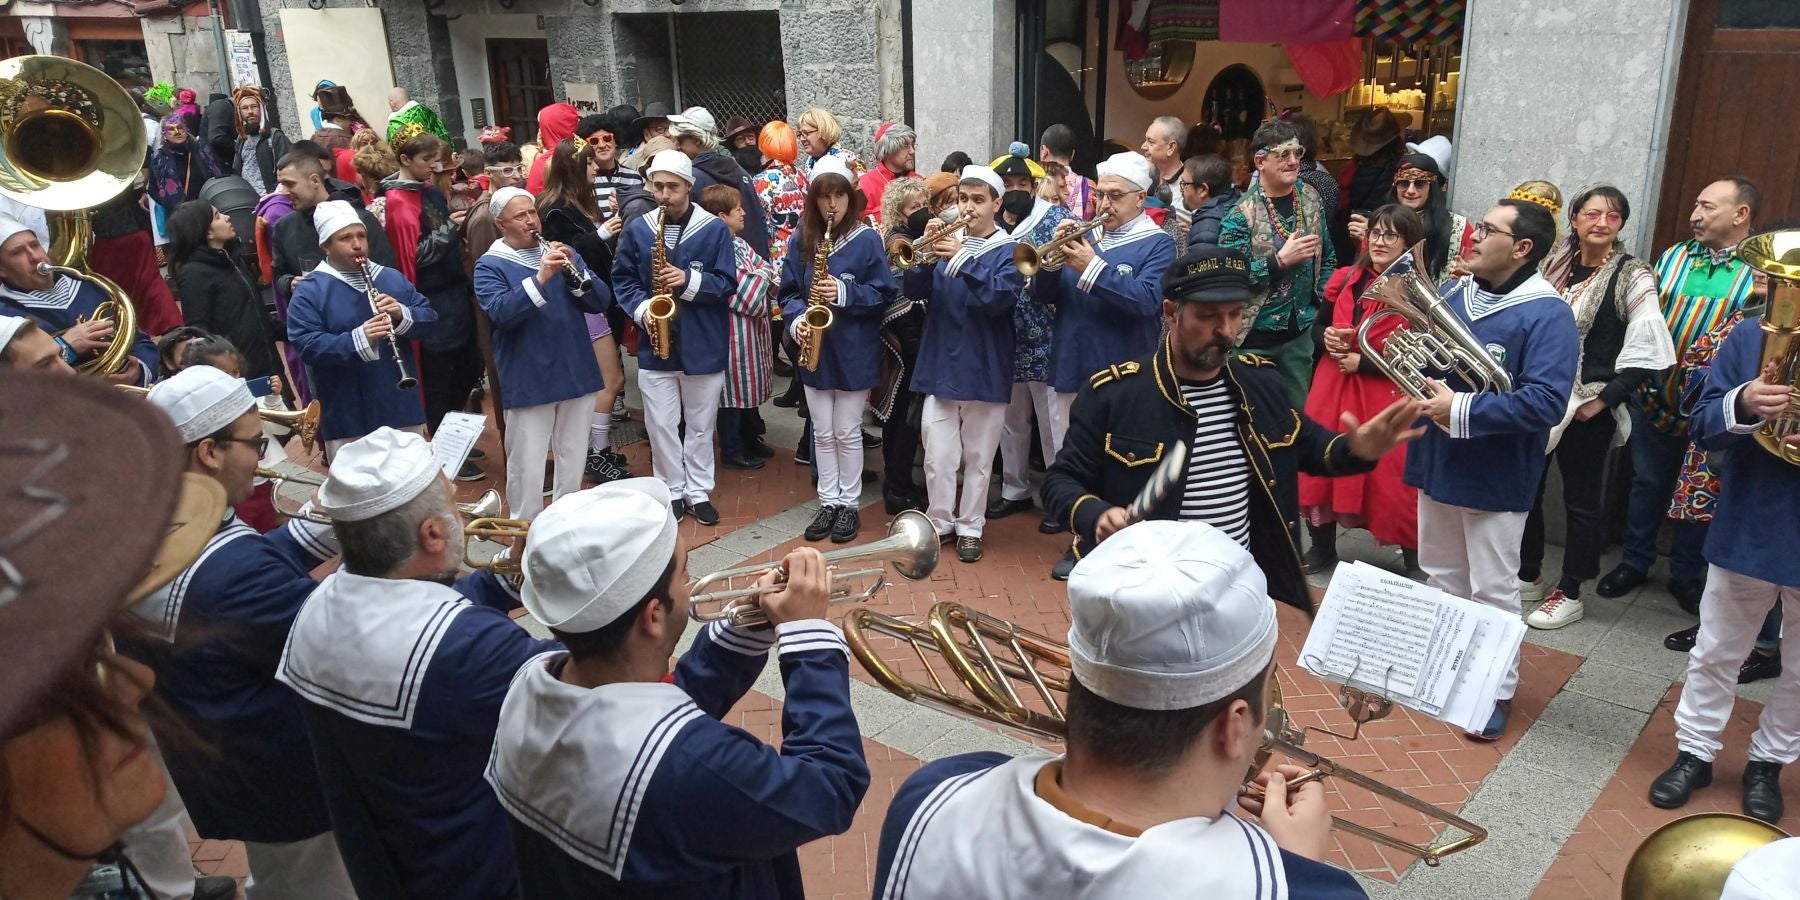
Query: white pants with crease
[[560, 429], [959, 434], [1060, 421], [837, 443], [1015, 436], [684, 464], [1731, 612], [312, 869], [1474, 554]]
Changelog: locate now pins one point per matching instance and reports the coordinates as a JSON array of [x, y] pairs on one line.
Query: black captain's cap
[[1208, 275]]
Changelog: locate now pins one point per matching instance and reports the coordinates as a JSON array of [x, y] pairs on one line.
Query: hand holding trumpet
[[800, 589]]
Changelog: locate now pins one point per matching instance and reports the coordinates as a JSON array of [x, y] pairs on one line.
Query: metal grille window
[[730, 63]]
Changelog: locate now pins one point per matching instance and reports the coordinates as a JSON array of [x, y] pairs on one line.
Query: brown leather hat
[[92, 517], [737, 125], [1377, 129]]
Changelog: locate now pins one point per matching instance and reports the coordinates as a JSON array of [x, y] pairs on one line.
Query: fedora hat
[[1374, 131]]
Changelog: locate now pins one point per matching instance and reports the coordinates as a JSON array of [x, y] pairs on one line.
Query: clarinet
[[407, 381], [579, 279]]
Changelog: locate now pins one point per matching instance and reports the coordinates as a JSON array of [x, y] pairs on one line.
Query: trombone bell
[[911, 546]]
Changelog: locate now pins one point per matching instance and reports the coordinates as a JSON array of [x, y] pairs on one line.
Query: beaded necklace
[[1286, 233]]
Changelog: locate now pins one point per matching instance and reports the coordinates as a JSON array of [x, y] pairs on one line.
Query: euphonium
[[1690, 858], [906, 254], [1029, 259], [911, 546], [1777, 255], [1004, 674], [659, 310], [1435, 339], [818, 316], [71, 139]]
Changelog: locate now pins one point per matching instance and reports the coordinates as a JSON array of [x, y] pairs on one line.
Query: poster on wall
[[586, 97], [243, 59]]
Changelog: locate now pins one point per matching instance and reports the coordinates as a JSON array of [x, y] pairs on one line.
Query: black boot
[[1672, 789], [1762, 791], [1322, 554]]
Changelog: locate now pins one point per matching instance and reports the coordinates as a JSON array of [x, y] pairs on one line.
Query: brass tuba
[[659, 311], [1004, 674], [1435, 339], [1777, 255], [817, 318], [1690, 858], [71, 139]]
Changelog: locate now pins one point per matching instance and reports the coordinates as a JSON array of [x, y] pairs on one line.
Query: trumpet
[[581, 280], [303, 423], [1029, 259], [499, 530], [407, 381], [309, 479], [659, 310], [906, 254], [911, 546], [1003, 674]]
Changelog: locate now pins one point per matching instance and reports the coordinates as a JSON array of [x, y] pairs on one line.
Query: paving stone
[[1619, 685], [1636, 643]]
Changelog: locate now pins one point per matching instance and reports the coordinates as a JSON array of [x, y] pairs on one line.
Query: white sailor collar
[[849, 236], [161, 611], [60, 295], [609, 740], [1135, 230], [529, 257], [975, 246], [697, 221], [1480, 304], [1039, 208], [361, 646], [325, 267]]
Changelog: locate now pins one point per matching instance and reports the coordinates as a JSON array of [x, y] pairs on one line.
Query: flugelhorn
[[1006, 675], [659, 310], [1029, 259], [1777, 255], [1434, 339], [818, 317], [911, 547], [907, 254]]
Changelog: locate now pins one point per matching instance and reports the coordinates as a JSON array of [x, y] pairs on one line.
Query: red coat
[[1378, 501]]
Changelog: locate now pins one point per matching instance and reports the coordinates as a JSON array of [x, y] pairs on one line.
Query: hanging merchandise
[[1171, 21], [1131, 40], [1328, 68], [1280, 21], [1410, 21]]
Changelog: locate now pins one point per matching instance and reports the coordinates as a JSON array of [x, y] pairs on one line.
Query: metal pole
[[1103, 12], [218, 29]]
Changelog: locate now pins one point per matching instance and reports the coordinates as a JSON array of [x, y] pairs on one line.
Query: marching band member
[[398, 665], [1247, 442], [59, 303], [1477, 472], [965, 359], [1034, 219], [1171, 645], [25, 347], [1751, 567], [624, 782], [858, 292], [349, 358], [541, 350], [902, 323], [250, 776], [701, 274]]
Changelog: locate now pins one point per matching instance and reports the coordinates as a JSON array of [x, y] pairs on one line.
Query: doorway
[[519, 69]]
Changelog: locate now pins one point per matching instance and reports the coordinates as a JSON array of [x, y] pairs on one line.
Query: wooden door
[[1737, 110], [519, 69]]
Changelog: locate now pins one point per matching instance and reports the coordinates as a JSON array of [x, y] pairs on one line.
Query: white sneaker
[[1531, 591], [1559, 609]]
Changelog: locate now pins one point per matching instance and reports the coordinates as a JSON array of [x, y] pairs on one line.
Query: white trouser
[[158, 846], [332, 447], [837, 444], [1731, 612], [312, 869], [1015, 436], [965, 433], [1059, 422], [670, 398], [1474, 554], [560, 429]]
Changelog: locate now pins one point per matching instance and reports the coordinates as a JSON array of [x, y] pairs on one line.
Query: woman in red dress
[[1347, 382]]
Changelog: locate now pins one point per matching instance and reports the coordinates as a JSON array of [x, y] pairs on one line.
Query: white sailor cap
[[1130, 165], [503, 196], [376, 473], [333, 216], [983, 174], [10, 326], [10, 226], [200, 400], [595, 554], [1169, 615], [831, 165], [1770, 872], [674, 162]]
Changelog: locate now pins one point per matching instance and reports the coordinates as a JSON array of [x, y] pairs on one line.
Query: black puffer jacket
[[713, 167], [217, 294], [1210, 217]]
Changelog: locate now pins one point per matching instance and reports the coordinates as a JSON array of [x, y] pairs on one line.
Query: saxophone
[[659, 313], [818, 316]]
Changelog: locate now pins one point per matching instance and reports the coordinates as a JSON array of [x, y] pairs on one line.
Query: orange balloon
[[776, 141]]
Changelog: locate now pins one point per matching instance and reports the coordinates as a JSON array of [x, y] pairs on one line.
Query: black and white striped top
[[1217, 490]]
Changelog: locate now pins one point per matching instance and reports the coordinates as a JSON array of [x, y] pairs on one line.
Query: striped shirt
[[608, 185], [1697, 296], [1217, 490]]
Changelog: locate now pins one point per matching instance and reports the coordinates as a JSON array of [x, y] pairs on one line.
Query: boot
[[1322, 554]]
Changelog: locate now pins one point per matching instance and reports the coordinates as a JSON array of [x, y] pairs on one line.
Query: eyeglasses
[[600, 139], [508, 171], [1590, 216], [1114, 196], [260, 442], [1416, 184], [1186, 183], [1384, 237], [1483, 229], [1283, 153]]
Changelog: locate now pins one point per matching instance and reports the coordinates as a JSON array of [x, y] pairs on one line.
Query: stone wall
[[1577, 92], [182, 52], [963, 66]]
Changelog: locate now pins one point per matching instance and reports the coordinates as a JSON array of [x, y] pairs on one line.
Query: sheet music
[[1383, 631], [454, 438]]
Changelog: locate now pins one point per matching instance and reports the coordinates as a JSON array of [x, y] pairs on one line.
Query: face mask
[[749, 157], [915, 223], [1016, 205]]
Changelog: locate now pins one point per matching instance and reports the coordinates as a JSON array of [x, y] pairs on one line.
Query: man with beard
[[1247, 442], [259, 144]]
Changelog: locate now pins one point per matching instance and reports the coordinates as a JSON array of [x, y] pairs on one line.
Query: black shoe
[[760, 450], [821, 524], [1672, 789], [215, 887], [679, 508], [601, 469], [898, 503], [871, 441], [1759, 665], [1762, 791], [470, 472], [845, 526], [1063, 567], [1687, 595], [705, 513], [1621, 581], [1052, 525], [1409, 559], [617, 458], [803, 454], [741, 461], [968, 548], [1682, 641], [780, 367], [787, 401], [947, 537], [475, 455], [1000, 509]]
